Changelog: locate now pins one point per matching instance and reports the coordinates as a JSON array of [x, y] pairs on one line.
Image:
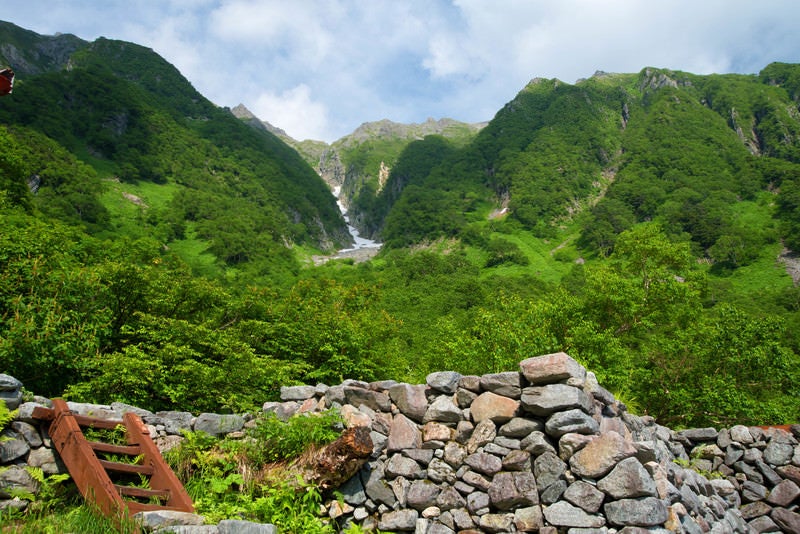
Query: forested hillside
[[153, 244], [164, 161]]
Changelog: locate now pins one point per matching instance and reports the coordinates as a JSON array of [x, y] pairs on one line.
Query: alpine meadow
[[161, 251]]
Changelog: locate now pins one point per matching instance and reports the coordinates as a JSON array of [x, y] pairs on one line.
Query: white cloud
[[319, 68], [295, 111]]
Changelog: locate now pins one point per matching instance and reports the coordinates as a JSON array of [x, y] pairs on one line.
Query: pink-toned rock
[[403, 435], [552, 368], [600, 455], [492, 406], [437, 432]]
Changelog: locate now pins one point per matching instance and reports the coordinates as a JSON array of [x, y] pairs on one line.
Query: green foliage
[[222, 476], [283, 440]]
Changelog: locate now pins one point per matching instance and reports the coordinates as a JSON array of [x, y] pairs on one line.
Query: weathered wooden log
[[332, 465]]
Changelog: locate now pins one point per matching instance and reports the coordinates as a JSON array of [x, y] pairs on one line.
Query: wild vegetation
[[154, 247]]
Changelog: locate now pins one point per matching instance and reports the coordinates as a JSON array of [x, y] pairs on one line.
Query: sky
[[320, 68]]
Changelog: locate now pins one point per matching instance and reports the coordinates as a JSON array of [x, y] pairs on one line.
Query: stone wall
[[545, 448]]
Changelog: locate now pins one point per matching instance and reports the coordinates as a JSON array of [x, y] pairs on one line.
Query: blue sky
[[320, 68]]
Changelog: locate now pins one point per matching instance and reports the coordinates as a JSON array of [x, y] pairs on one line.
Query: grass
[[81, 518]]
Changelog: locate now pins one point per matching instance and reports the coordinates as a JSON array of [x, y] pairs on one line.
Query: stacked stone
[[756, 469], [544, 448]]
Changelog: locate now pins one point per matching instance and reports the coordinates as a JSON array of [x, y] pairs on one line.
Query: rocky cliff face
[[544, 448]]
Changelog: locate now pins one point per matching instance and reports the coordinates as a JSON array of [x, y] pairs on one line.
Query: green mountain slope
[[238, 194], [615, 150]]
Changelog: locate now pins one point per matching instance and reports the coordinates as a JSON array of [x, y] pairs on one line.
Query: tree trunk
[[332, 465]]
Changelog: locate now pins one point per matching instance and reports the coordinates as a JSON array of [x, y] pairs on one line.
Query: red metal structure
[[6, 81], [93, 474]]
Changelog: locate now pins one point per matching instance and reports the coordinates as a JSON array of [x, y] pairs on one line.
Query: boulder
[[563, 514], [600, 455], [647, 512], [628, 480], [508, 384], [444, 381], [551, 398], [551, 368], [576, 421], [410, 400], [498, 408]]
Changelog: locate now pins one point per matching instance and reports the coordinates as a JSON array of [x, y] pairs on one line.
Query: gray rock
[[553, 492], [548, 468], [190, 529], [498, 408], [752, 491], [465, 397], [378, 489], [770, 475], [488, 464], [10, 391], [375, 400], [121, 408], [422, 494], [508, 384], [545, 400], [600, 455], [410, 400], [563, 514], [450, 499], [509, 490], [741, 434], [699, 434], [763, 524], [517, 460], [422, 456], [529, 519], [484, 433], [471, 383], [477, 501], [790, 472], [497, 522], [454, 454], [440, 471], [100, 411], [462, 519], [783, 494], [520, 427], [12, 446], [404, 434], [647, 512], [551, 368], [628, 480], [585, 496], [167, 518], [402, 466], [536, 443], [335, 395], [443, 410], [216, 424], [778, 453], [237, 526], [571, 421], [297, 393], [402, 520], [28, 432], [353, 491], [787, 520], [175, 422], [476, 480], [755, 509], [15, 479], [46, 460], [444, 381]]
